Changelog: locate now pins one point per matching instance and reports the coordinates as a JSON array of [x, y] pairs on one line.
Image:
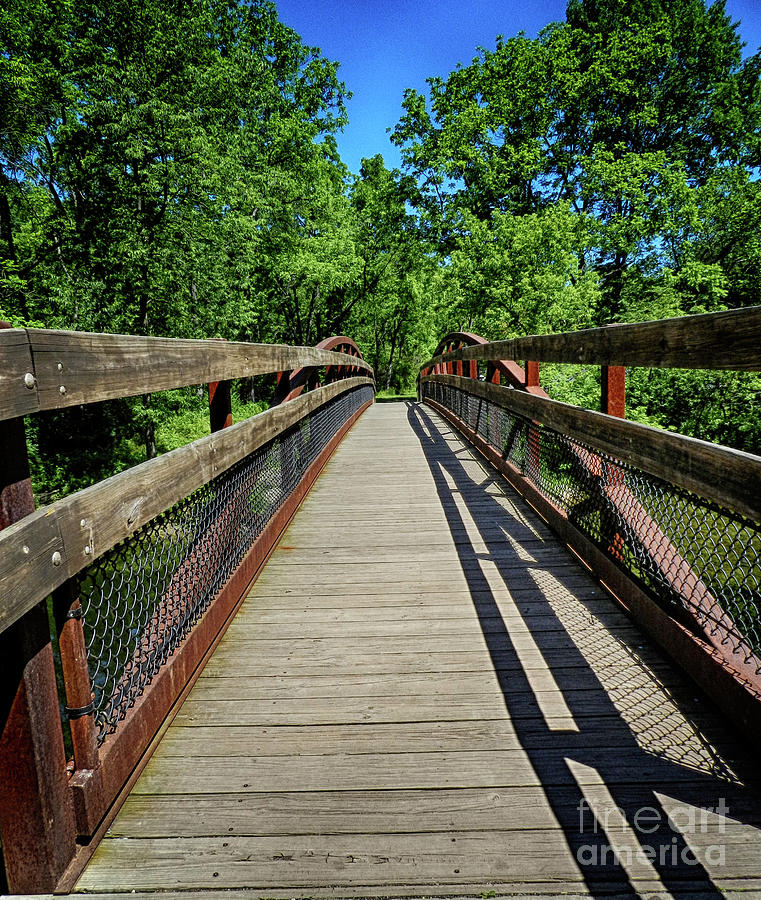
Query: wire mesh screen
[[142, 597], [689, 552]]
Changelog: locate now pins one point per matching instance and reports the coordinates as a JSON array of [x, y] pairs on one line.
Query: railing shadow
[[619, 739]]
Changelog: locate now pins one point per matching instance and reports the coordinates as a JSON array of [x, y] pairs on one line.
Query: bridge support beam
[[532, 376]]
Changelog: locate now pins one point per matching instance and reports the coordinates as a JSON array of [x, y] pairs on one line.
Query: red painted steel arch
[[504, 371], [291, 385]]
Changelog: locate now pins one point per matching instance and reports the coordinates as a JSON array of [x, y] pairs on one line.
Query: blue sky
[[385, 46]]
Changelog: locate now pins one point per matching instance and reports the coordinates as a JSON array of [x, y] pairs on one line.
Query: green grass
[[386, 396], [192, 423]]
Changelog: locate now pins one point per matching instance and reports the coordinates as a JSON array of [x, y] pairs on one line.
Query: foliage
[[390, 313], [606, 171], [161, 167], [172, 169]]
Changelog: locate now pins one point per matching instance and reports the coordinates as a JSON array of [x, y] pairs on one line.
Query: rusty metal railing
[[672, 525], [135, 578]]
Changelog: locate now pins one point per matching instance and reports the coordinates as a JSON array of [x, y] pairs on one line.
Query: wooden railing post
[[36, 811]]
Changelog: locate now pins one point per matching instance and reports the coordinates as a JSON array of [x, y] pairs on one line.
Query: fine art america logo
[[652, 836]]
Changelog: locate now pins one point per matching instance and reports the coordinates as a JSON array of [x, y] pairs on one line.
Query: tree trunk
[[390, 367], [149, 431], [247, 390], [6, 228], [149, 439]]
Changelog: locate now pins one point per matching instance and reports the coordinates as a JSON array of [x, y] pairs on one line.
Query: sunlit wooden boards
[[425, 695]]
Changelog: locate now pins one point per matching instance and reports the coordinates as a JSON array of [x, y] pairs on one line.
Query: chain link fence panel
[[142, 598], [688, 552]]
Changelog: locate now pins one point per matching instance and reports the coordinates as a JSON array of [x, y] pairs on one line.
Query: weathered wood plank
[[248, 658], [440, 708], [315, 860], [731, 889], [379, 812], [18, 386], [251, 687], [409, 576], [93, 520], [472, 624], [71, 367], [723, 340], [199, 742], [319, 596], [29, 567], [355, 646], [405, 583], [376, 812], [538, 608], [503, 553], [729, 477]]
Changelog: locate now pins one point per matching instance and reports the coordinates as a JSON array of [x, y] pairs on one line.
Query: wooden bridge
[[500, 646]]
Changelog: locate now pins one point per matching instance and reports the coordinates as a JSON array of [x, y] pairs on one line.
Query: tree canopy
[[172, 169]]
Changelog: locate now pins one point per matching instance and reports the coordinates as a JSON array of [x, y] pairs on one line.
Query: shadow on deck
[[348, 738], [635, 775]]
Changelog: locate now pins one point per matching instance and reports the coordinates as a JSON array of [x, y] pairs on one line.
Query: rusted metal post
[[36, 812], [220, 404], [532, 375], [613, 379], [492, 373], [283, 387], [87, 781], [533, 462], [613, 402]]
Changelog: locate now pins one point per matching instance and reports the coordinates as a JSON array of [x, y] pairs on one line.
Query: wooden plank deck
[[424, 694]]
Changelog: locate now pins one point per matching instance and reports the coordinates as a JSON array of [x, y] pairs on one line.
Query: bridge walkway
[[425, 694]]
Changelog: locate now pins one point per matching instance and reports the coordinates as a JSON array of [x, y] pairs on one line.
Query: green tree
[[141, 153], [390, 297], [620, 111]]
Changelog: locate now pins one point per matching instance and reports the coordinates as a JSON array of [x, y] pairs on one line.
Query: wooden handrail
[[43, 550], [44, 369], [44, 803], [723, 340], [729, 477]]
